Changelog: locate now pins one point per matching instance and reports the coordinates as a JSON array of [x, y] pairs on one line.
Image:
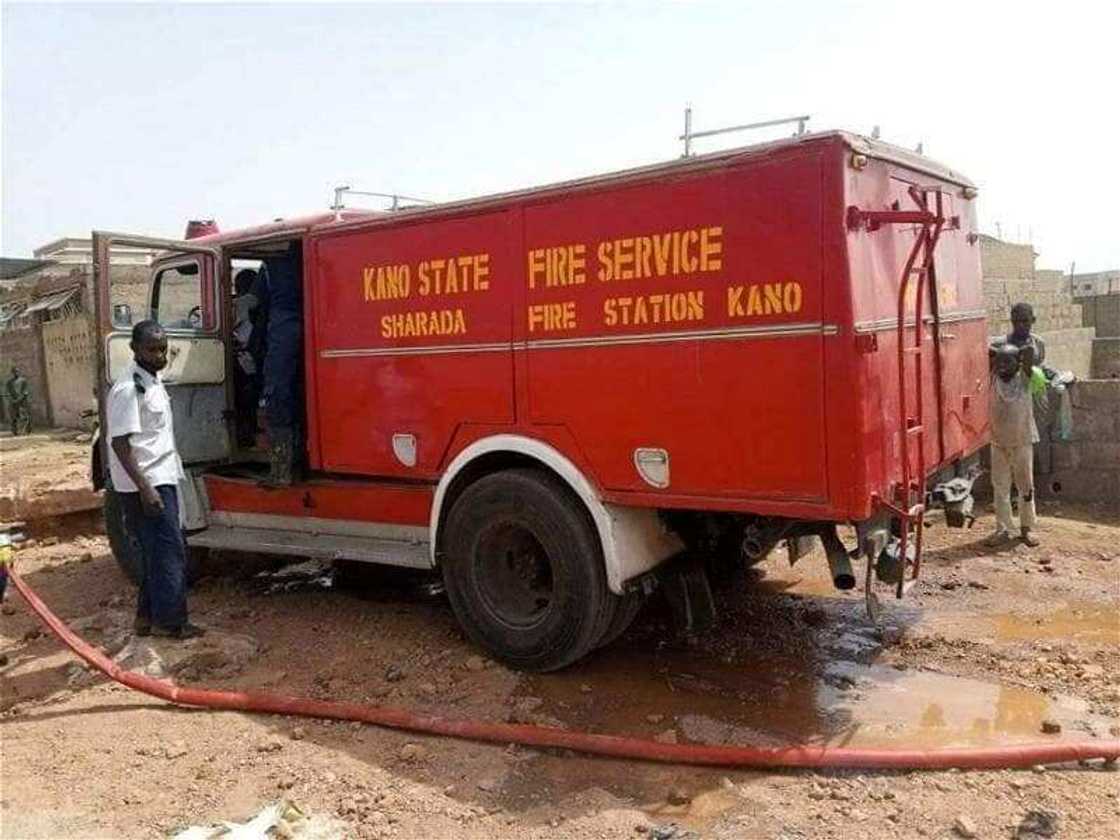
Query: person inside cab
[[281, 402]]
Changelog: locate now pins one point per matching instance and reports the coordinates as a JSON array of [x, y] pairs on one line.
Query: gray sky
[[136, 118]]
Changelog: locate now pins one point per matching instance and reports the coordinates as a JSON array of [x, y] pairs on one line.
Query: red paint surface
[[802, 425], [401, 504]]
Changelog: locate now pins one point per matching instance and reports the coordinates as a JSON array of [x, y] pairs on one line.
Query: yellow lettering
[[695, 303], [734, 300], [754, 302], [662, 244], [368, 274], [606, 270], [644, 251], [791, 296], [624, 258], [772, 298], [610, 316], [578, 260], [536, 266], [689, 261], [711, 247], [481, 272]]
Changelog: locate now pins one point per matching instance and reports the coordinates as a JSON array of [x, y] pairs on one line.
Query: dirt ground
[[990, 646], [46, 473]]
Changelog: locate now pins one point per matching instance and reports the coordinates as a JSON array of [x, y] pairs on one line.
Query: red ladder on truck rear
[[909, 502]]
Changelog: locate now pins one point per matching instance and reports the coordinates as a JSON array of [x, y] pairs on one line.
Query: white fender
[[634, 540]]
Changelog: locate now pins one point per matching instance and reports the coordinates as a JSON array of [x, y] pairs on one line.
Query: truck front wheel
[[524, 571]]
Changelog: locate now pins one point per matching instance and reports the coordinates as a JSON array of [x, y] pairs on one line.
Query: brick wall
[[22, 347]]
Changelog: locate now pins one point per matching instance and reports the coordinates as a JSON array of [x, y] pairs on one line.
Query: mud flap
[[686, 588]]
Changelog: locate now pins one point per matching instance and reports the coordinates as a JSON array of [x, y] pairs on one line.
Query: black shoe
[[189, 631], [183, 631]]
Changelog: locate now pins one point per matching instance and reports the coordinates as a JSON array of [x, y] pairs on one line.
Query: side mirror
[[122, 315]]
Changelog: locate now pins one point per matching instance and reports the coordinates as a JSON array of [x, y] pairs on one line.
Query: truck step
[[413, 555]]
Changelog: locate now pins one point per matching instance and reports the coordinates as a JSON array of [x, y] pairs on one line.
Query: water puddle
[[1083, 622]]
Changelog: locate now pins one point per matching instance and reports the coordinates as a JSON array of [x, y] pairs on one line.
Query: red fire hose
[[545, 736]]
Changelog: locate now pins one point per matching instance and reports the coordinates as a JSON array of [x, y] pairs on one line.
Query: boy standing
[[146, 470], [1013, 438]]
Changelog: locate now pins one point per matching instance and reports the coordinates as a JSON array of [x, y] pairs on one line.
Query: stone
[[964, 827], [222, 654], [426, 688], [271, 745], [298, 734], [412, 752], [585, 688], [489, 784], [1039, 822], [394, 674], [669, 736], [475, 663], [1051, 727], [678, 796], [176, 749], [655, 718]]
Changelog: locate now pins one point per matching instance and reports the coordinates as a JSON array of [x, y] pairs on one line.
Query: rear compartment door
[[953, 376], [180, 290]]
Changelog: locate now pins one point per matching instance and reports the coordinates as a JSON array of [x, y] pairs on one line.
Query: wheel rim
[[514, 575]]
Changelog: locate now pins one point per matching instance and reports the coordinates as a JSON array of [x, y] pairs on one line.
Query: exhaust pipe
[[839, 563]]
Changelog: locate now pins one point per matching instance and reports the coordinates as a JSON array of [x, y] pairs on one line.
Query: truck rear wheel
[[629, 605], [524, 571]]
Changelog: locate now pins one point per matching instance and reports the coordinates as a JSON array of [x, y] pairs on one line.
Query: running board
[[412, 555]]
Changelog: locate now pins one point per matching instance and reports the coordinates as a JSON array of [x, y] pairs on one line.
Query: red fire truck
[[560, 397]]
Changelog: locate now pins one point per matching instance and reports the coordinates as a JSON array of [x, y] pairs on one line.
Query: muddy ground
[[989, 648]]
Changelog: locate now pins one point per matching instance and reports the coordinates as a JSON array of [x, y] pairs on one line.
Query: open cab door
[[180, 289]]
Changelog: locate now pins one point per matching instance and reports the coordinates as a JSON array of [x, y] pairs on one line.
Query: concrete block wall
[[1103, 313], [1086, 468], [1106, 358], [70, 350], [1006, 259]]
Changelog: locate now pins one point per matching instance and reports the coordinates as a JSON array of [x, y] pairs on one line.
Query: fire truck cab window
[[177, 298]]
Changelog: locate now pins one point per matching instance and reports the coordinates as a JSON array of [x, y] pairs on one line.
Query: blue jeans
[[163, 591]]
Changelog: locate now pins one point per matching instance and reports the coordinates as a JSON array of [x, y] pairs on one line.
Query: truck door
[[179, 289]]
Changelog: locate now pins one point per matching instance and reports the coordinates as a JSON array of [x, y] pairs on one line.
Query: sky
[[136, 118]]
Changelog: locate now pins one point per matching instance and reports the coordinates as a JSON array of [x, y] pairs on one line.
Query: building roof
[[14, 267], [53, 301]]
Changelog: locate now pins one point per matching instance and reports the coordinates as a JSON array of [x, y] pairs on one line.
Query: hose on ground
[[586, 742]]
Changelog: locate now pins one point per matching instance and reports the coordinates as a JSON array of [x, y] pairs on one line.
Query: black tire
[[524, 571], [126, 548], [629, 605]]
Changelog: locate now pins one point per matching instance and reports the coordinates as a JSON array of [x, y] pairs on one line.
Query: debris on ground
[[282, 819]]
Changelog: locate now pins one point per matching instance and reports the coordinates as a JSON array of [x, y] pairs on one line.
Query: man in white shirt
[[146, 469]]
